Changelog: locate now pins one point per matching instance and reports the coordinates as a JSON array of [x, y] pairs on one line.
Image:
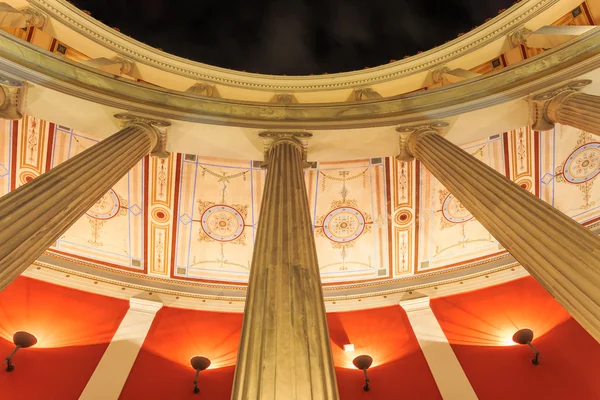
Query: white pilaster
[[110, 375], [449, 376]]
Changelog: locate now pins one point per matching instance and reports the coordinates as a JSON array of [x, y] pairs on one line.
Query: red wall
[[73, 330], [162, 369], [399, 368], [479, 325]]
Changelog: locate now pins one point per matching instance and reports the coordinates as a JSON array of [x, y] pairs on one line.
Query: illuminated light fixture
[[525, 336], [349, 347], [22, 340], [199, 363], [364, 362]]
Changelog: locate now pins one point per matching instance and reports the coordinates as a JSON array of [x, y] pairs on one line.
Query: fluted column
[[285, 351], [567, 106], [36, 214], [561, 254]]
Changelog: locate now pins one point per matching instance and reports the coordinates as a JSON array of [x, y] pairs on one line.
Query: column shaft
[[285, 351], [561, 254], [36, 214], [580, 110], [112, 371], [447, 372]]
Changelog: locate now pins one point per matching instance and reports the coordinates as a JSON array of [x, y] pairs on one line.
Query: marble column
[[112, 371], [36, 214], [566, 105], [447, 372], [561, 254], [285, 351]]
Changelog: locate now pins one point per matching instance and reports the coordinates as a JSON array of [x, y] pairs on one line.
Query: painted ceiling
[[195, 218]]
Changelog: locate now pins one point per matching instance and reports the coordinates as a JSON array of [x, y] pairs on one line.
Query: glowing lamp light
[[525, 336], [199, 363], [348, 347], [22, 340], [364, 362]]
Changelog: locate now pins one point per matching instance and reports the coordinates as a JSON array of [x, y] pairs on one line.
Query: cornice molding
[[186, 299], [24, 61], [497, 28]]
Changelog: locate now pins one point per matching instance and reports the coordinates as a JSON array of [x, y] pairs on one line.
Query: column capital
[[544, 105], [418, 304], [12, 96], [155, 127], [519, 36], [272, 139], [408, 134]]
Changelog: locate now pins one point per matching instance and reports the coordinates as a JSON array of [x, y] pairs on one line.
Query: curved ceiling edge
[[497, 28], [233, 291], [191, 300], [27, 62]]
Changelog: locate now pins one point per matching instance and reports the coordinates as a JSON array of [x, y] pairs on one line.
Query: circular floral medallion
[[454, 211], [222, 223], [583, 164], [343, 224], [107, 207]]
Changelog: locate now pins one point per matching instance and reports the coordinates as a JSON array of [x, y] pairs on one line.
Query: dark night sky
[[293, 37]]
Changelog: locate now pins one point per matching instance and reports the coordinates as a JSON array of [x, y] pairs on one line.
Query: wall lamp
[[364, 362], [22, 340], [199, 363], [525, 336]]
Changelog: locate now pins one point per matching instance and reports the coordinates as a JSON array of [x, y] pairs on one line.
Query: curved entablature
[[484, 43], [497, 28], [26, 62]]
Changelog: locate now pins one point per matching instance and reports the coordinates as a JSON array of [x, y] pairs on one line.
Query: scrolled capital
[[544, 105], [408, 136], [156, 128], [272, 139]]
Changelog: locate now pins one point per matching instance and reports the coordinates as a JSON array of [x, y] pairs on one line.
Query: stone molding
[[418, 304], [495, 29], [519, 36], [204, 89], [34, 17], [284, 98], [145, 305], [157, 126], [437, 75], [12, 97], [545, 104], [364, 94]]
